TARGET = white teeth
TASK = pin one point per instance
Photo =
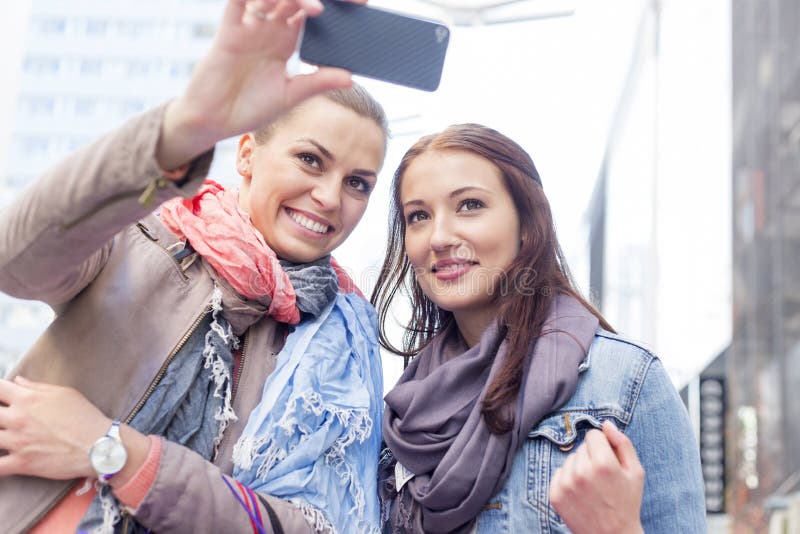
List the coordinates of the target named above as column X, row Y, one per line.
column 305, row 222
column 450, row 267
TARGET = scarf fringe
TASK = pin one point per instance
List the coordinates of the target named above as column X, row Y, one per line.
column 111, row 515
column 266, row 453
column 220, row 373
column 87, row 485
column 317, row 520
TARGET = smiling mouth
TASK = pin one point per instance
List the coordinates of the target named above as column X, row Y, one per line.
column 307, row 223
column 452, row 267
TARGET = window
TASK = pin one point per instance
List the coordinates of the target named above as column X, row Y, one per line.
column 181, row 70
column 39, row 105
column 91, row 67
column 132, row 107
column 34, row 147
column 85, row 106
column 96, row 28
column 51, row 26
column 138, row 69
column 41, row 65
column 202, row 30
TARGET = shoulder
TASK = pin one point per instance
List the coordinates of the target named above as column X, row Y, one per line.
column 615, row 358
column 613, row 375
column 618, row 348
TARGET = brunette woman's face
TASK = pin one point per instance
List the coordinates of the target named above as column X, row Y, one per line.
column 462, row 229
column 307, row 186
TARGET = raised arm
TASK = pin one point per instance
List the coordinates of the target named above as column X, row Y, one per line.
column 56, row 236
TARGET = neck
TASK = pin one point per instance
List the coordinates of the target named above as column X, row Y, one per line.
column 472, row 324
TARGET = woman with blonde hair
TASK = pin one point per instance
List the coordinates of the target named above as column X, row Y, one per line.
column 210, row 368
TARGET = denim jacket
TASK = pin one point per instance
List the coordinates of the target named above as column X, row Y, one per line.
column 627, row 384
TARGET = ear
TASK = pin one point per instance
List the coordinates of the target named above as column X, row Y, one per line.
column 244, row 156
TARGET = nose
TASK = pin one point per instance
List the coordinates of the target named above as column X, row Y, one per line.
column 327, row 192
column 443, row 234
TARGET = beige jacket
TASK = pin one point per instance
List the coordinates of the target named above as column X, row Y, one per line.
column 83, row 239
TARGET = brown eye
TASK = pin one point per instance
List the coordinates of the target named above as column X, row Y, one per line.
column 470, row 204
column 416, row 216
column 359, row 184
column 310, row 159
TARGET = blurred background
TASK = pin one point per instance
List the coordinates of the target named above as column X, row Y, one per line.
column 667, row 134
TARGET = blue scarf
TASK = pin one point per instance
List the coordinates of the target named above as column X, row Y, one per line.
column 314, row 438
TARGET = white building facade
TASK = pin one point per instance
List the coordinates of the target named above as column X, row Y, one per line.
column 86, row 66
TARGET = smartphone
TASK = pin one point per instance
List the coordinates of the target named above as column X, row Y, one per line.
column 376, row 43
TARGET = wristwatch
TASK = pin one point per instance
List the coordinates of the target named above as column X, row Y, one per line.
column 108, row 454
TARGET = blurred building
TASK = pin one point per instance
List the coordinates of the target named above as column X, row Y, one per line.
column 660, row 217
column 764, row 364
column 87, row 66
column 659, row 220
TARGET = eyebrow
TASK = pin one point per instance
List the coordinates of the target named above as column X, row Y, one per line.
column 327, row 154
column 453, row 194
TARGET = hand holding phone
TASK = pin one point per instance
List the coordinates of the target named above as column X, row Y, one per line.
column 376, row 43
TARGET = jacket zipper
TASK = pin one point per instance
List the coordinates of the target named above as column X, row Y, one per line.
column 136, row 410
column 238, row 379
column 163, row 370
column 154, row 383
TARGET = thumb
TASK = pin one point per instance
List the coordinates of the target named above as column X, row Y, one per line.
column 622, row 446
column 303, row 86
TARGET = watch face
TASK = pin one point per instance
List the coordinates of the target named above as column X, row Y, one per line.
column 108, row 456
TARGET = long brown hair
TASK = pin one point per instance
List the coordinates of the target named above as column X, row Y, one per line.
column 536, row 275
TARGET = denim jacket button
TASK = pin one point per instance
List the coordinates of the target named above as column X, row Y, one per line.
column 566, row 448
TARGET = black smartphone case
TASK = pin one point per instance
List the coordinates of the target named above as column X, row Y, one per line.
column 377, row 44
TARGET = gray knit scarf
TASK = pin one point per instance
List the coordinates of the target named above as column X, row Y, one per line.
column 433, row 424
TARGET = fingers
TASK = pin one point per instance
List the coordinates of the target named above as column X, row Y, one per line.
column 312, row 7
column 623, row 447
column 8, row 465
column 7, row 419
column 234, row 11
column 256, row 11
column 279, row 11
column 8, row 391
column 303, row 86
column 599, row 449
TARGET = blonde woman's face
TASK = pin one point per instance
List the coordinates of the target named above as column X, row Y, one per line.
column 308, row 185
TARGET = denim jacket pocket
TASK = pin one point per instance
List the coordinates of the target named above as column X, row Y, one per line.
column 547, row 448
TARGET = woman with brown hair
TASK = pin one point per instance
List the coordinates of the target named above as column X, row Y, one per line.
column 491, row 426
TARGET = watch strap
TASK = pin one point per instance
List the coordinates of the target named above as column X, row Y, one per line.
column 113, row 433
column 113, row 430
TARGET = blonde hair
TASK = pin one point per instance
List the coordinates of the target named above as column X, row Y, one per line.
column 356, row 99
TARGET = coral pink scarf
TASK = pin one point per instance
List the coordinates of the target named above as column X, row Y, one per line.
column 223, row 234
